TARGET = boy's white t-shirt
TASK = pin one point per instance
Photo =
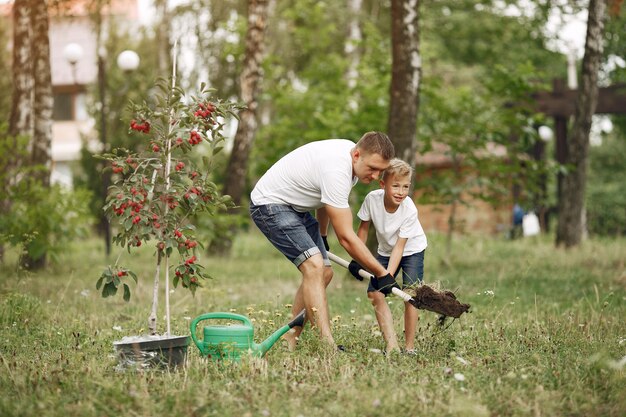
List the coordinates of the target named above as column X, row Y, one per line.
column 308, row 177
column 404, row 223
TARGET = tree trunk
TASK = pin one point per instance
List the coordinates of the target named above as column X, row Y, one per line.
column 20, row 119
column 352, row 45
column 163, row 39
column 250, row 80
column 405, row 78
column 41, row 143
column 31, row 107
column 571, row 209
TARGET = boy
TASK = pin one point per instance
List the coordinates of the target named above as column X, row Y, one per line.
column 401, row 245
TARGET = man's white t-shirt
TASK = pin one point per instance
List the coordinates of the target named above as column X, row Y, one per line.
column 308, row 177
column 404, row 223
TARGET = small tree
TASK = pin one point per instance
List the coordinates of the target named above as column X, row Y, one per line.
column 155, row 192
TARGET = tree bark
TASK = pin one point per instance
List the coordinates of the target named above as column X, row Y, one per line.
column 31, row 107
column 250, row 81
column 405, row 78
column 41, row 143
column 20, row 118
column 352, row 45
column 570, row 225
column 164, row 47
column 21, row 121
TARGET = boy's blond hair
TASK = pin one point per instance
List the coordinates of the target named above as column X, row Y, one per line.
column 397, row 168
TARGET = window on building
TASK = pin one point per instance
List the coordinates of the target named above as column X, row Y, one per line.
column 63, row 107
column 70, row 106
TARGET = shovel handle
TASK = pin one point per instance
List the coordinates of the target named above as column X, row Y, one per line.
column 342, row 262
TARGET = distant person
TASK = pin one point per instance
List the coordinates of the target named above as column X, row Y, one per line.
column 518, row 219
column 401, row 246
column 319, row 176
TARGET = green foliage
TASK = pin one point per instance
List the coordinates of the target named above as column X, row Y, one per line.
column 306, row 87
column 478, row 34
column 43, row 219
column 485, row 139
column 39, row 220
column 606, row 196
column 157, row 190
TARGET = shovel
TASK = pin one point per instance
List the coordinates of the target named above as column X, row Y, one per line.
column 363, row 273
column 426, row 298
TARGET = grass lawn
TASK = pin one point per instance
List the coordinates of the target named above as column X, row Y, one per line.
column 546, row 337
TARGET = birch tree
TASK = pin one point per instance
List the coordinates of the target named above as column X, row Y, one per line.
column 42, row 100
column 405, row 78
column 31, row 105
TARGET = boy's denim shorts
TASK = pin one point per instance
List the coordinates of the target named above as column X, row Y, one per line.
column 296, row 235
column 412, row 267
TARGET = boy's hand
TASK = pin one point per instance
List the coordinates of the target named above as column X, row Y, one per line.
column 385, row 284
column 354, row 267
column 325, row 239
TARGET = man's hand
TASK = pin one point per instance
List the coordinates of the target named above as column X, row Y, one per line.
column 385, row 284
column 324, row 238
column 354, row 269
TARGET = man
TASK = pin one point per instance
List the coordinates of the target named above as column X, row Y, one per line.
column 319, row 176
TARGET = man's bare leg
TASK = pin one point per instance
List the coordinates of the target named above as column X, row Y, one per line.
column 298, row 304
column 385, row 320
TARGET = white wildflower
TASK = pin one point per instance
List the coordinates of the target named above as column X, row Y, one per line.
column 459, row 377
column 117, row 328
column 85, row 293
column 460, row 359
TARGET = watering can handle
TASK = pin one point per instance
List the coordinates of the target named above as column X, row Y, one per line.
column 217, row 316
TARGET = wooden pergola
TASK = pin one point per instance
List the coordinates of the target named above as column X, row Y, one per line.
column 560, row 104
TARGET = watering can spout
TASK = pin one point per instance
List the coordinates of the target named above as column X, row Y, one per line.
column 264, row 346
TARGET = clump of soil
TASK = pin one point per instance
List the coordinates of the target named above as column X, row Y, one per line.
column 440, row 302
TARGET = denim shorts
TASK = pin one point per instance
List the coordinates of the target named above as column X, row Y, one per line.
column 295, row 234
column 412, row 267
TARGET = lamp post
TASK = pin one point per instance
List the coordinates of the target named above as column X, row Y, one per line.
column 72, row 53
column 127, row 61
column 545, row 134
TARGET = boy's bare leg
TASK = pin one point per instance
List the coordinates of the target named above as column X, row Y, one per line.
column 385, row 320
column 298, row 304
column 312, row 295
column 411, row 317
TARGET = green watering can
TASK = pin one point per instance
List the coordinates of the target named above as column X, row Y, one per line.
column 232, row 341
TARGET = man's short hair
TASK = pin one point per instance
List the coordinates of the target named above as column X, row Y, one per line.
column 378, row 143
column 397, row 168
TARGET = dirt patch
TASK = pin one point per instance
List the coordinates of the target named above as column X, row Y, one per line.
column 440, row 302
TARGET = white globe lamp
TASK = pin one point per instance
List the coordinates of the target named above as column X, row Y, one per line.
column 72, row 53
column 128, row 61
